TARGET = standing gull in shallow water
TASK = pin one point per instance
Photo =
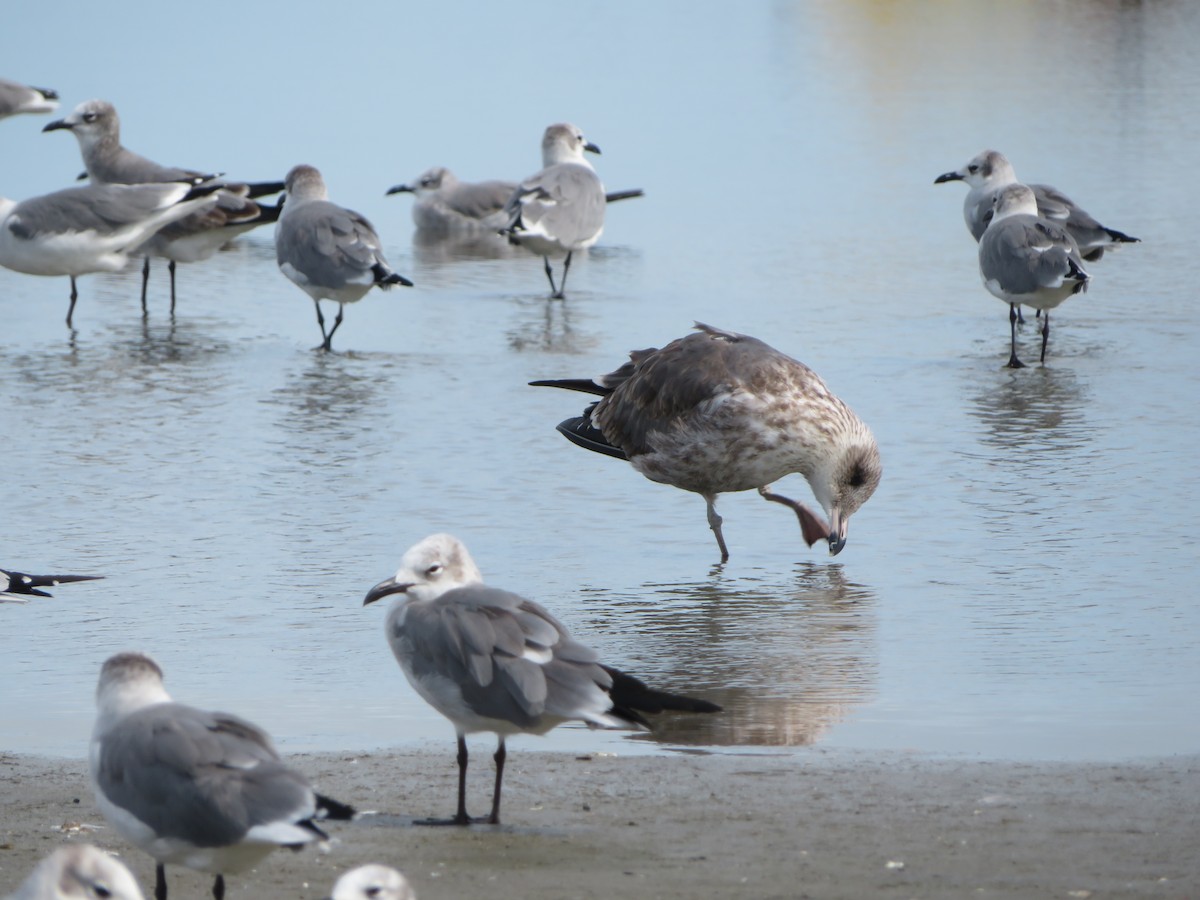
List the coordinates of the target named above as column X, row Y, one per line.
column 328, row 251
column 490, row 660
column 990, row 171
column 205, row 790
column 90, row 229
column 17, row 98
column 15, row 587
column 1026, row 259
column 718, row 411
column 97, row 127
column 561, row 208
column 79, row 872
column 373, row 882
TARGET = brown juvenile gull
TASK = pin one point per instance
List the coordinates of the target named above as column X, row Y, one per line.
column 990, row 171
column 16, row 98
column 559, row 209
column 1027, row 259
column 15, row 586
column 201, row 789
column 78, row 872
column 718, row 411
column 328, row 251
column 491, row 660
column 97, row 127
column 373, row 882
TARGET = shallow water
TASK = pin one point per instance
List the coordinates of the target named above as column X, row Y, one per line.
column 1022, row 584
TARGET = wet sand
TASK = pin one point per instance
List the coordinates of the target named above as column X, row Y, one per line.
column 802, row 824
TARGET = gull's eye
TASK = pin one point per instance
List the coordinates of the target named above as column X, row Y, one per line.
column 373, row 891
column 434, row 571
column 972, row 168
column 102, row 891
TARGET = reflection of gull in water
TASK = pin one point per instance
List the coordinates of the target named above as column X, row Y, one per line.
column 786, row 657
column 1033, row 419
column 547, row 327
column 327, row 396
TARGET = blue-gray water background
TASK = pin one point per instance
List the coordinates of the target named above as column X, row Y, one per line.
column 1024, row 582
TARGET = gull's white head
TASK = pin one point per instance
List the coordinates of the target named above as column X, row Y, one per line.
column 989, row 170
column 79, row 872
column 128, row 682
column 303, row 183
column 92, row 122
column 428, row 569
column 1014, row 200
column 847, row 476
column 564, row 143
column 373, row 882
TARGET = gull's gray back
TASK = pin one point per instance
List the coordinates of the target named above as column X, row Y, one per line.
column 330, row 245
column 101, row 208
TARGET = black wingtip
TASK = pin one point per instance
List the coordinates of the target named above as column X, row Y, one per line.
column 328, row 808
column 632, row 193
column 20, row 583
column 386, row 279
column 1121, row 237
column 632, row 696
column 580, row 431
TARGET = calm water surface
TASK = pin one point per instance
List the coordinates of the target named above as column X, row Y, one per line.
column 1022, row 585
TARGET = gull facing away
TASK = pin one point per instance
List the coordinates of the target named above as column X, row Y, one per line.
column 1027, row 259
column 17, row 98
column 373, row 882
column 447, row 206
column 79, row 872
column 205, row 790
column 491, row 660
column 561, row 208
column 97, row 127
column 990, row 171
column 17, row 587
column 328, row 251
column 718, row 411
column 90, row 229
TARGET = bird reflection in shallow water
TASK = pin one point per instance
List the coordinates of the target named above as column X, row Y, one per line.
column 1032, row 417
column 787, row 658
column 546, row 326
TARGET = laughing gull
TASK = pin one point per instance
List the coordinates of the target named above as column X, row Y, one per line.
column 90, row 229
column 206, row 790
column 990, row 171
column 718, row 411
column 97, row 127
column 17, row 98
column 561, row 208
column 328, row 251
column 490, row 660
column 1027, row 259
column 16, row 587
column 78, row 872
column 447, row 206
column 373, row 882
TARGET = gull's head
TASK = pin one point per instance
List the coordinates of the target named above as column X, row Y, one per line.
column 129, row 681
column 304, row 183
column 989, row 169
column 427, row 182
column 1014, row 200
column 565, row 143
column 437, row 564
column 847, row 479
column 80, row 872
column 373, row 882
column 91, row 122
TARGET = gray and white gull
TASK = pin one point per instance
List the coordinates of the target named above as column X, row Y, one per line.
column 88, row 229
column 328, row 251
column 1029, row 260
column 97, row 127
column 718, row 411
column 373, row 882
column 17, row 98
column 990, row 171
column 491, row 660
column 78, row 872
column 206, row 790
column 560, row 209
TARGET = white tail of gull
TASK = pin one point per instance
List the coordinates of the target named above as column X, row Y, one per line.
column 718, row 411
column 79, row 872
column 97, row 127
column 91, row 229
column 990, row 171
column 206, row 790
column 490, row 660
column 17, row 98
column 328, row 251
column 1026, row 259
column 560, row 209
column 17, row 587
column 373, row 882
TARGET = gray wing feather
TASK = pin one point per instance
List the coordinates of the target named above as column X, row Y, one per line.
column 477, row 201
column 567, row 200
column 203, row 777
column 101, row 208
column 329, row 244
column 1024, row 254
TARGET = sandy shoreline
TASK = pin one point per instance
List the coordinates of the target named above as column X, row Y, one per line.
column 772, row 826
